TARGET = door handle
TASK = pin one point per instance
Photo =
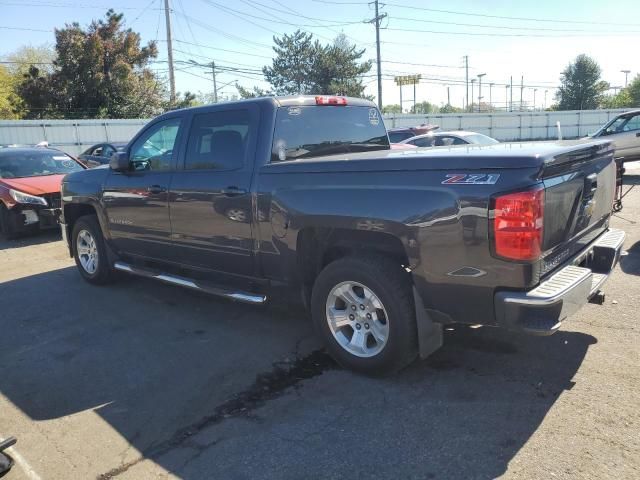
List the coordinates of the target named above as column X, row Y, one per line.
column 155, row 189
column 233, row 191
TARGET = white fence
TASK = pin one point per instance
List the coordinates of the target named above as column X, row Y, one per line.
column 74, row 136
column 514, row 126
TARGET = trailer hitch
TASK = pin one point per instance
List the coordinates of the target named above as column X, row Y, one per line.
column 6, row 462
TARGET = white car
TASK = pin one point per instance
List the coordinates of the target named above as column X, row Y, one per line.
column 624, row 131
column 446, row 139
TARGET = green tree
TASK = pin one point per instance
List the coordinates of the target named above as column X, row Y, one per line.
column 620, row 100
column 338, row 70
column 424, row 107
column 8, row 98
column 101, row 71
column 392, row 109
column 581, row 87
column 633, row 91
column 256, row 92
column 293, row 66
column 448, row 108
column 303, row 66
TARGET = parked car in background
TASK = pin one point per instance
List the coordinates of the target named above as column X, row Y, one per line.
column 447, row 139
column 398, row 134
column 624, row 131
column 100, row 154
column 402, row 146
column 30, row 188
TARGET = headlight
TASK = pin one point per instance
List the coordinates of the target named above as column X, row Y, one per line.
column 21, row 197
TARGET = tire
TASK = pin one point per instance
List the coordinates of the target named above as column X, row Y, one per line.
column 90, row 252
column 6, row 229
column 387, row 322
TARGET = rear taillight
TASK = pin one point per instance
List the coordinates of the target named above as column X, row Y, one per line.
column 517, row 225
column 322, row 100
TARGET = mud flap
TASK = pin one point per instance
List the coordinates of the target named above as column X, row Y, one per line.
column 429, row 332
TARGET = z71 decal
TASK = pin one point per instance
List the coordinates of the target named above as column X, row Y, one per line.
column 471, row 179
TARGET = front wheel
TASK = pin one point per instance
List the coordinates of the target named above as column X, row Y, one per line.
column 90, row 252
column 363, row 307
column 6, row 227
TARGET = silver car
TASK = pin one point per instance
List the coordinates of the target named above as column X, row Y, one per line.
column 446, row 139
column 624, row 131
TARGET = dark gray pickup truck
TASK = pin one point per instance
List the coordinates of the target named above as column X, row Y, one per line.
column 303, row 195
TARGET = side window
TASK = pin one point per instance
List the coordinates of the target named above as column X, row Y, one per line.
column 423, row 142
column 218, row 141
column 458, row 141
column 633, row 124
column 153, row 150
column 97, row 152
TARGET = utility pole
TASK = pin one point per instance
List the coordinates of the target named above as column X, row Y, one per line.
column 172, row 79
column 480, row 75
column 490, row 98
column 521, row 90
column 448, row 97
column 511, row 100
column 626, row 76
column 376, row 21
column 215, row 86
column 473, row 81
column 534, row 98
column 401, row 110
column 466, row 74
column 506, row 98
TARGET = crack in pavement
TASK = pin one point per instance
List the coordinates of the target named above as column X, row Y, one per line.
column 266, row 387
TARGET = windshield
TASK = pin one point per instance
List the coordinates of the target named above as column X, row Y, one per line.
column 480, row 139
column 312, row 131
column 34, row 163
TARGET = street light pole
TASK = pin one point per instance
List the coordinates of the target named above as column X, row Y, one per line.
column 534, row 99
column 626, row 74
column 490, row 99
column 545, row 99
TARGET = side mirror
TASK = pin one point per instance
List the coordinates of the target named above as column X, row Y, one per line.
column 119, row 162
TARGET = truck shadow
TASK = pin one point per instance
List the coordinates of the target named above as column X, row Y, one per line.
column 160, row 365
column 47, row 236
column 630, row 263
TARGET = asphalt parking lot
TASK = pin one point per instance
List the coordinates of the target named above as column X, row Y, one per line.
column 143, row 380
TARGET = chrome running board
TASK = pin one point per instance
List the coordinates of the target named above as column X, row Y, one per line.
column 243, row 297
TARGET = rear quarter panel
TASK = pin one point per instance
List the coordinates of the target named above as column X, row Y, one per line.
column 443, row 228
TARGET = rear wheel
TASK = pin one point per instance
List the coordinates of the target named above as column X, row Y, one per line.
column 363, row 307
column 90, row 252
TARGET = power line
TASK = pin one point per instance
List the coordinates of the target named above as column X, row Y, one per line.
column 25, row 29
column 230, row 36
column 492, row 34
column 503, row 17
column 223, row 49
column 504, row 27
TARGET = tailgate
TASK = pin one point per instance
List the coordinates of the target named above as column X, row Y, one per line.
column 579, row 191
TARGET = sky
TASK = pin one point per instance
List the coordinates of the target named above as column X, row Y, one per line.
column 502, row 39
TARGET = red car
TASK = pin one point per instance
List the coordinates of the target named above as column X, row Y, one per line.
column 30, row 188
